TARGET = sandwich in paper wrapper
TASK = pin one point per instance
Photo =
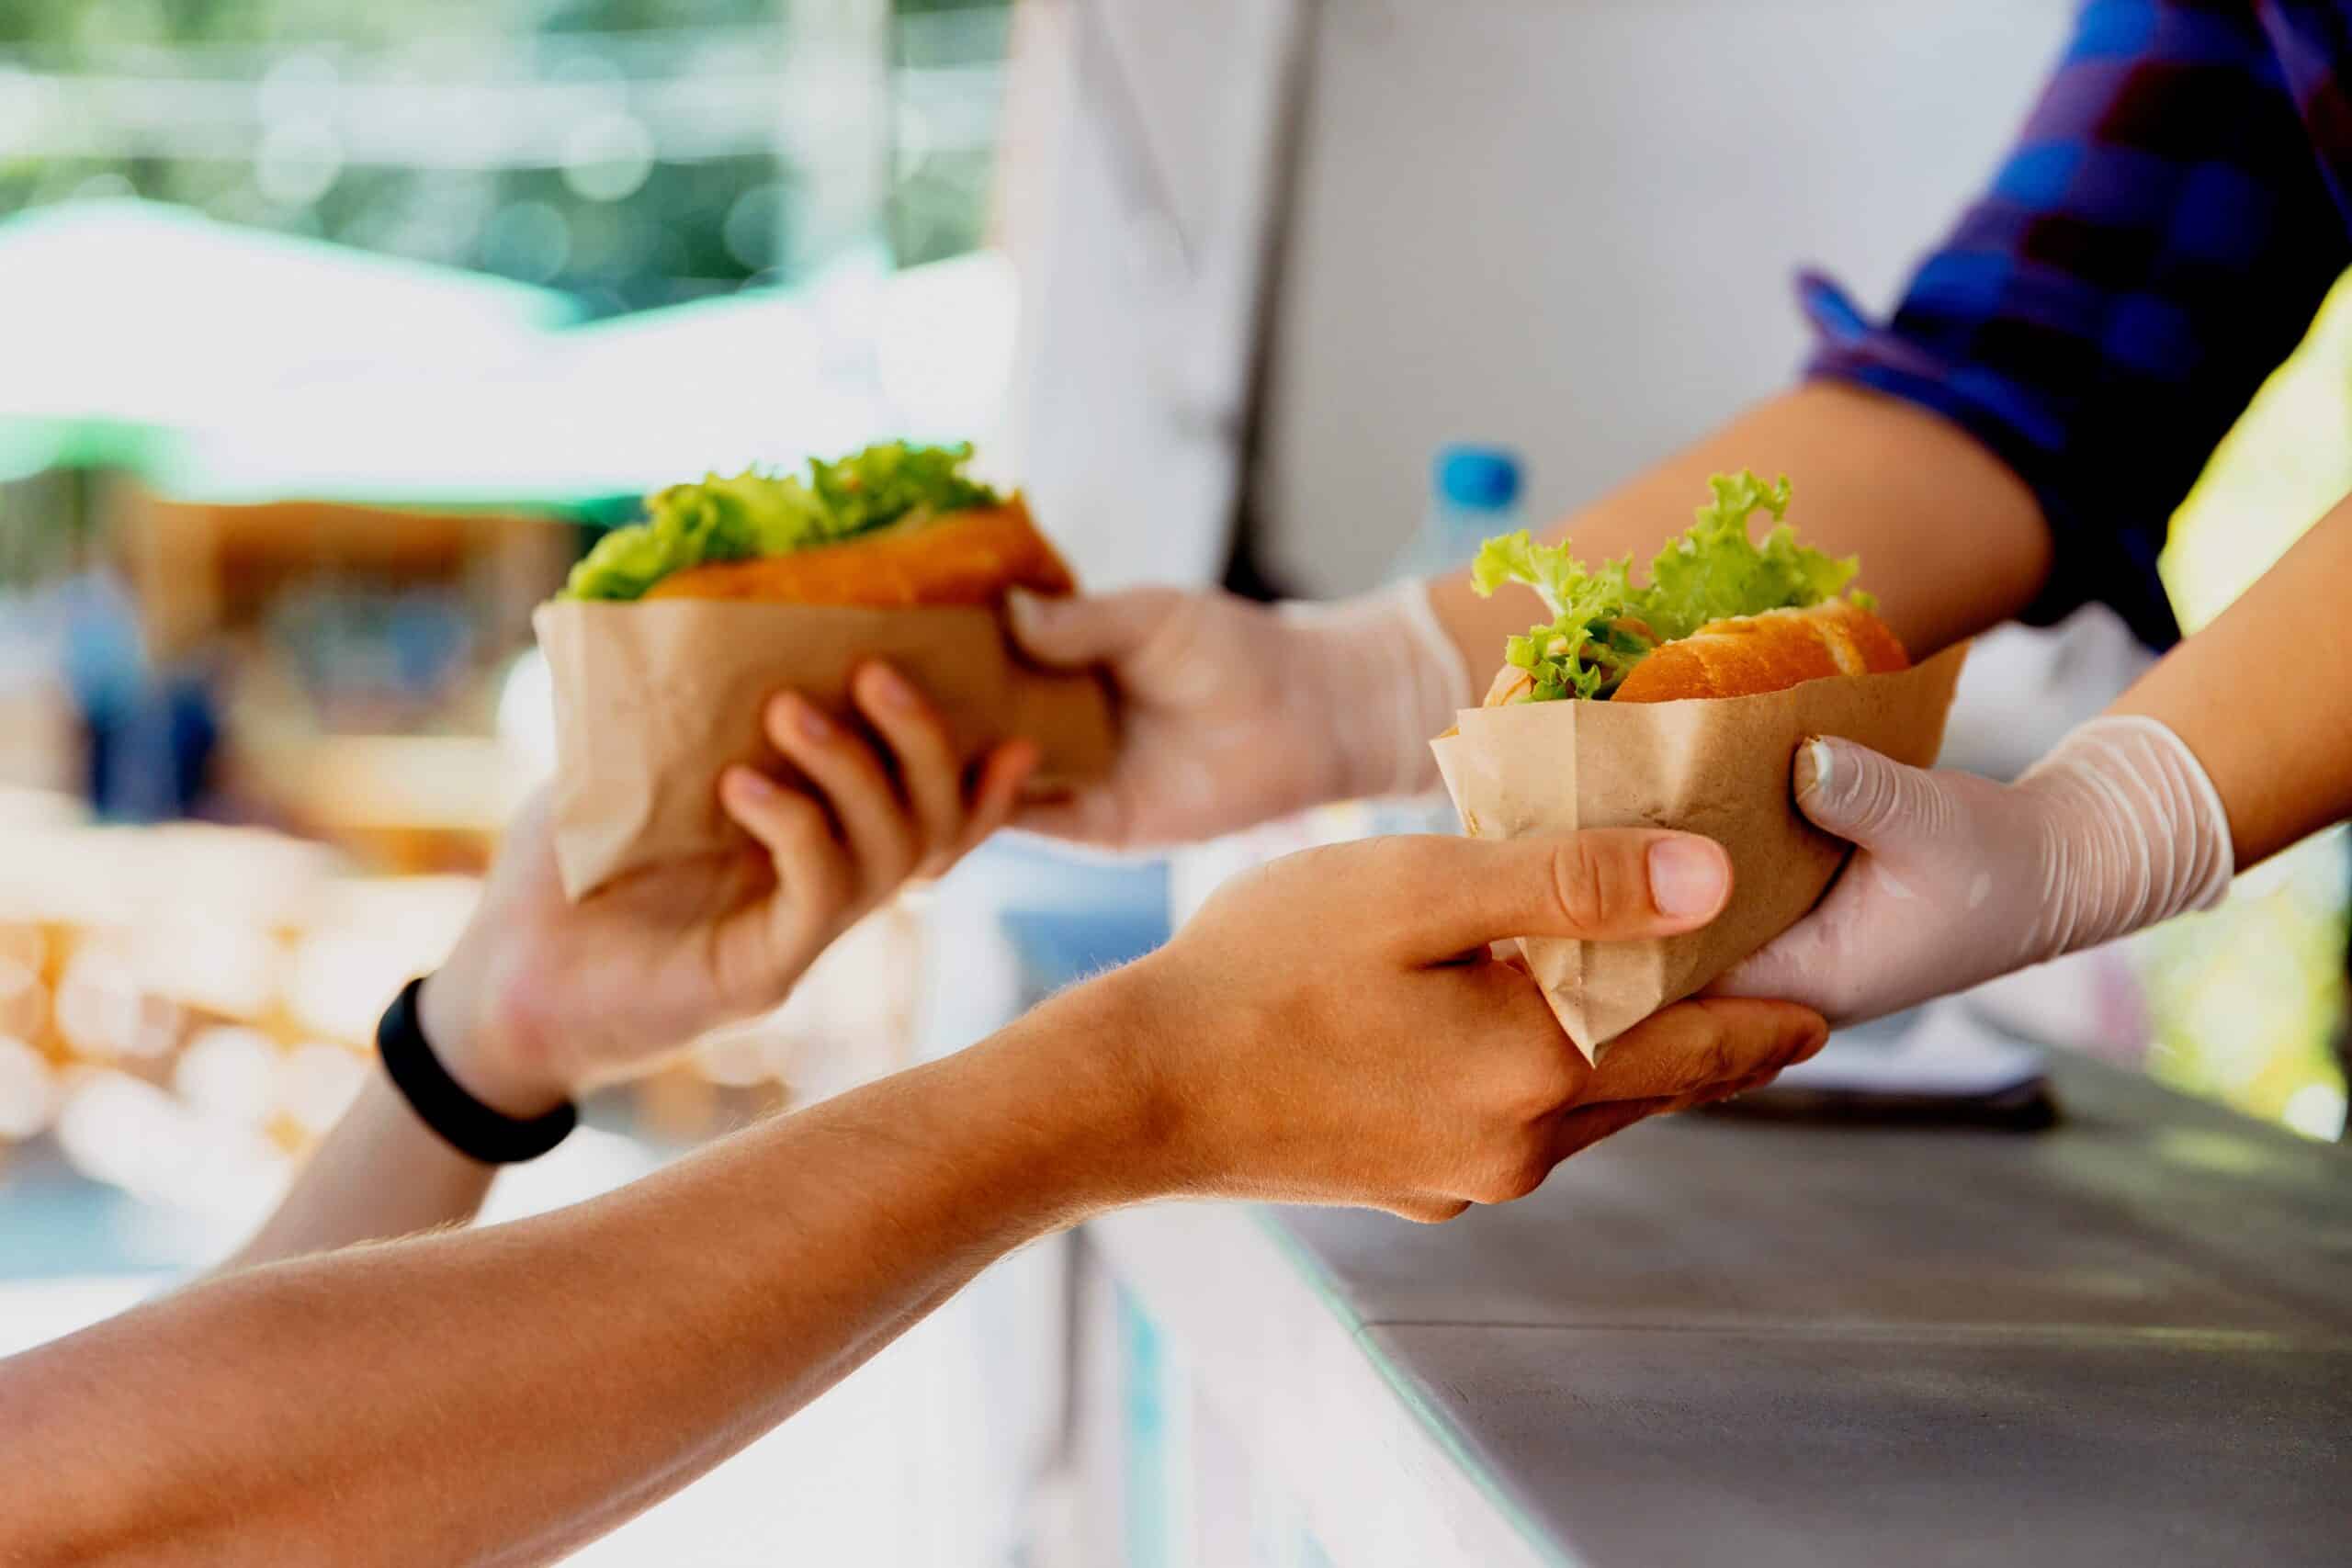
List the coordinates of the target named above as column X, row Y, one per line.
column 671, row 633
column 1680, row 704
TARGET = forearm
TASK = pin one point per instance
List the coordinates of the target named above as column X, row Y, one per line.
column 382, row 1172
column 504, row 1394
column 2263, row 696
column 1952, row 540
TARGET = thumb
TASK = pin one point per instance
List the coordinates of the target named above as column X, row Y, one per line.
column 1857, row 793
column 1073, row 631
column 1439, row 895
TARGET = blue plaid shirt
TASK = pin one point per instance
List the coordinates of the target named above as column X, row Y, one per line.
column 2155, row 243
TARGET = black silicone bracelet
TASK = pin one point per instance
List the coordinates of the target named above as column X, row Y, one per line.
column 473, row 1129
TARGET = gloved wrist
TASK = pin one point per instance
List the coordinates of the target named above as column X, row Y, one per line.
column 2133, row 832
column 1385, row 678
column 1956, row 879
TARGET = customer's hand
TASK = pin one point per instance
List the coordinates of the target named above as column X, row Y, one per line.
column 542, row 997
column 1329, row 1029
column 1959, row 879
column 1236, row 712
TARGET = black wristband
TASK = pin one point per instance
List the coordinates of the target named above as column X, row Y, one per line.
column 473, row 1129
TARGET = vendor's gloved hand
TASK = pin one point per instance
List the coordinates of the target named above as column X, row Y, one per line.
column 1958, row 879
column 1236, row 712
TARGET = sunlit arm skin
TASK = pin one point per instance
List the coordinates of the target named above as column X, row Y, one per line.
column 1328, row 1030
column 1954, row 541
column 380, row 1173
column 507, row 1395
column 1235, row 712
column 2263, row 695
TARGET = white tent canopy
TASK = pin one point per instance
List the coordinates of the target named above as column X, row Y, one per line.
column 621, row 407
column 236, row 365
column 134, row 313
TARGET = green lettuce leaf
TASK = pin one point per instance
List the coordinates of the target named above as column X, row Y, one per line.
column 1712, row 572
column 1602, row 625
column 1590, row 640
column 751, row 514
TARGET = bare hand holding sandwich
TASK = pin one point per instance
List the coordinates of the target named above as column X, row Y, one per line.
column 543, row 999
column 563, row 995
column 731, row 587
column 1329, row 1028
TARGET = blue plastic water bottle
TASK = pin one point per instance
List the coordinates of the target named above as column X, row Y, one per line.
column 1474, row 495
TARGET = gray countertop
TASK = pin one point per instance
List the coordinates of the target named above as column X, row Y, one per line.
column 2126, row 1340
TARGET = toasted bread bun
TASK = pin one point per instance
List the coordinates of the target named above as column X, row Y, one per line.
column 1741, row 658
column 967, row 558
column 1765, row 653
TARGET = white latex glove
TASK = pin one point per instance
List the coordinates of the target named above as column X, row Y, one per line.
column 1234, row 711
column 1958, row 879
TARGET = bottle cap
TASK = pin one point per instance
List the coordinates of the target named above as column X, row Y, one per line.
column 1482, row 478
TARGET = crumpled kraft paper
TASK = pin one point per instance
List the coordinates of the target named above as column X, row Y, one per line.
column 1718, row 766
column 653, row 701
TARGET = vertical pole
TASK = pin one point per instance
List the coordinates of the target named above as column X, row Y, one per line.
column 835, row 129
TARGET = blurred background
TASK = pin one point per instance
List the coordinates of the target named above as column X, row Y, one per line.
column 330, row 335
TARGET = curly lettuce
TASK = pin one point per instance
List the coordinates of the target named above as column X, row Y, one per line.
column 751, row 514
column 1596, row 634
column 1602, row 625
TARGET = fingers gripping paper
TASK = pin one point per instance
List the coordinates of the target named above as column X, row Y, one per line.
column 654, row 699
column 1716, row 766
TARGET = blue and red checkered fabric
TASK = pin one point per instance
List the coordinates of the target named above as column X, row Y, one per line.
column 2154, row 245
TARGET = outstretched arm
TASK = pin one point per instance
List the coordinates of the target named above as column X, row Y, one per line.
column 506, row 1394
column 1953, row 540
column 2016, row 435
column 501, row 1395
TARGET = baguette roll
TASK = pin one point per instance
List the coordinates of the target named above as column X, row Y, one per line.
column 1747, row 656
column 1767, row 653
column 968, row 557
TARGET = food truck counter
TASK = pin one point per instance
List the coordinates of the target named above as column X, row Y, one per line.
column 2125, row 1339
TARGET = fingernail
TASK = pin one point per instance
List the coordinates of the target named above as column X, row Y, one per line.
column 1687, row 876
column 757, row 786
column 813, row 724
column 1816, row 768
column 1023, row 755
column 1025, row 609
column 891, row 689
column 1809, row 1040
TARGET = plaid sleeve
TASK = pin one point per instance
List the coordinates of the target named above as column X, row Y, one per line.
column 2153, row 246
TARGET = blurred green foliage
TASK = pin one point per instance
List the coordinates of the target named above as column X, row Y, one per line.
column 680, row 225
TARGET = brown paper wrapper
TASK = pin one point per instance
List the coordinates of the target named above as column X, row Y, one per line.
column 654, row 699
column 1716, row 766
